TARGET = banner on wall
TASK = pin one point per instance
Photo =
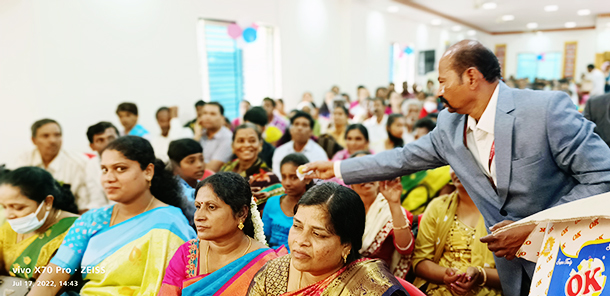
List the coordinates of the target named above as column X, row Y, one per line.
column 571, row 248
column 501, row 55
column 569, row 59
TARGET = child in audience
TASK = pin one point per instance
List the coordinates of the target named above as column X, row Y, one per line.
column 186, row 158
column 128, row 115
column 279, row 210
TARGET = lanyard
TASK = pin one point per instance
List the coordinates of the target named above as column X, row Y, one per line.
column 492, row 153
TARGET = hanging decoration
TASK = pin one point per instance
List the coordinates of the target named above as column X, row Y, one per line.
column 248, row 33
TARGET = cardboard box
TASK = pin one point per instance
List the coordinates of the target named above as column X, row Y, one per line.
column 571, row 248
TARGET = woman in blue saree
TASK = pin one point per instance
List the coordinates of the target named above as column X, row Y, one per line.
column 123, row 249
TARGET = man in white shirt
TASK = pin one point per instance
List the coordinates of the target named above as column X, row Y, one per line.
column 376, row 125
column 171, row 129
column 214, row 137
column 99, row 135
column 598, row 80
column 301, row 128
column 65, row 167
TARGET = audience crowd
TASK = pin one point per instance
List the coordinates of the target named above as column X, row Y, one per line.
column 217, row 207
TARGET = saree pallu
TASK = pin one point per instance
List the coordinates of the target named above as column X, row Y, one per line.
column 362, row 277
column 379, row 228
column 36, row 251
column 182, row 275
column 128, row 258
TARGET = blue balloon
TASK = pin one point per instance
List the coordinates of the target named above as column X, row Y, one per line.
column 408, row 50
column 249, row 34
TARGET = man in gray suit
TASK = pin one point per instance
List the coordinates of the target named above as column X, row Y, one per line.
column 517, row 152
column 597, row 110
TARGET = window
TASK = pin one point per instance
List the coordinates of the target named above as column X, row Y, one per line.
column 426, row 62
column 545, row 66
column 402, row 66
column 233, row 70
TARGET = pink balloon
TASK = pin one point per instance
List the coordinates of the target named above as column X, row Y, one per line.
column 255, row 26
column 234, row 31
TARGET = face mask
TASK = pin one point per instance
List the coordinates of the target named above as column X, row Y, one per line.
column 28, row 223
column 430, row 106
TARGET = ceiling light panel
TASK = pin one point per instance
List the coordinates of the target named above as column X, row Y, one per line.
column 550, row 8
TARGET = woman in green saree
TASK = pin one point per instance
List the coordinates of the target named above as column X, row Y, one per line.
column 39, row 213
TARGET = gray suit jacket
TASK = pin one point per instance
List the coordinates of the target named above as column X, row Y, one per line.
column 546, row 155
column 597, row 110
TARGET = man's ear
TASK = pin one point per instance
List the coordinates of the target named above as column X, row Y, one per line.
column 472, row 77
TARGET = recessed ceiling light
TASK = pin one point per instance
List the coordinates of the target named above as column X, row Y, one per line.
column 436, row 22
column 471, row 32
column 393, row 9
column 551, row 8
column 584, row 12
column 456, row 28
column 532, row 25
column 570, row 24
column 489, row 5
column 508, row 17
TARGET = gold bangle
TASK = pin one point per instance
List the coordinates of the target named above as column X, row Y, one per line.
column 406, row 226
column 482, row 270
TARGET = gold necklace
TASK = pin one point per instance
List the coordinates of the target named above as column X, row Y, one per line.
column 117, row 211
column 207, row 252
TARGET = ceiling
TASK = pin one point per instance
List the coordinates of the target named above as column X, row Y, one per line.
column 469, row 12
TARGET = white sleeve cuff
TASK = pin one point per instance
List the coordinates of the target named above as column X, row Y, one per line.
column 337, row 168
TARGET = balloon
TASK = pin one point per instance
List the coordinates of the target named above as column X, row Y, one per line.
column 255, row 26
column 408, row 50
column 272, row 134
column 249, row 34
column 234, row 31
column 540, row 57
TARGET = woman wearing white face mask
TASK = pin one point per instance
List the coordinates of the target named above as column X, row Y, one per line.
column 39, row 213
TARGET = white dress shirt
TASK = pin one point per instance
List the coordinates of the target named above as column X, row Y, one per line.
column 479, row 137
column 312, row 151
column 161, row 144
column 377, row 130
column 66, row 168
column 599, row 81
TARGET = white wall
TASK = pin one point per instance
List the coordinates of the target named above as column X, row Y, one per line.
column 75, row 60
column 543, row 42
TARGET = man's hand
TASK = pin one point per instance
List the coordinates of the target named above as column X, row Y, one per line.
column 507, row 243
column 321, row 170
column 391, row 190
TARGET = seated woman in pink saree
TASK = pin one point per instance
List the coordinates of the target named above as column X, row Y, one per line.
column 228, row 226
